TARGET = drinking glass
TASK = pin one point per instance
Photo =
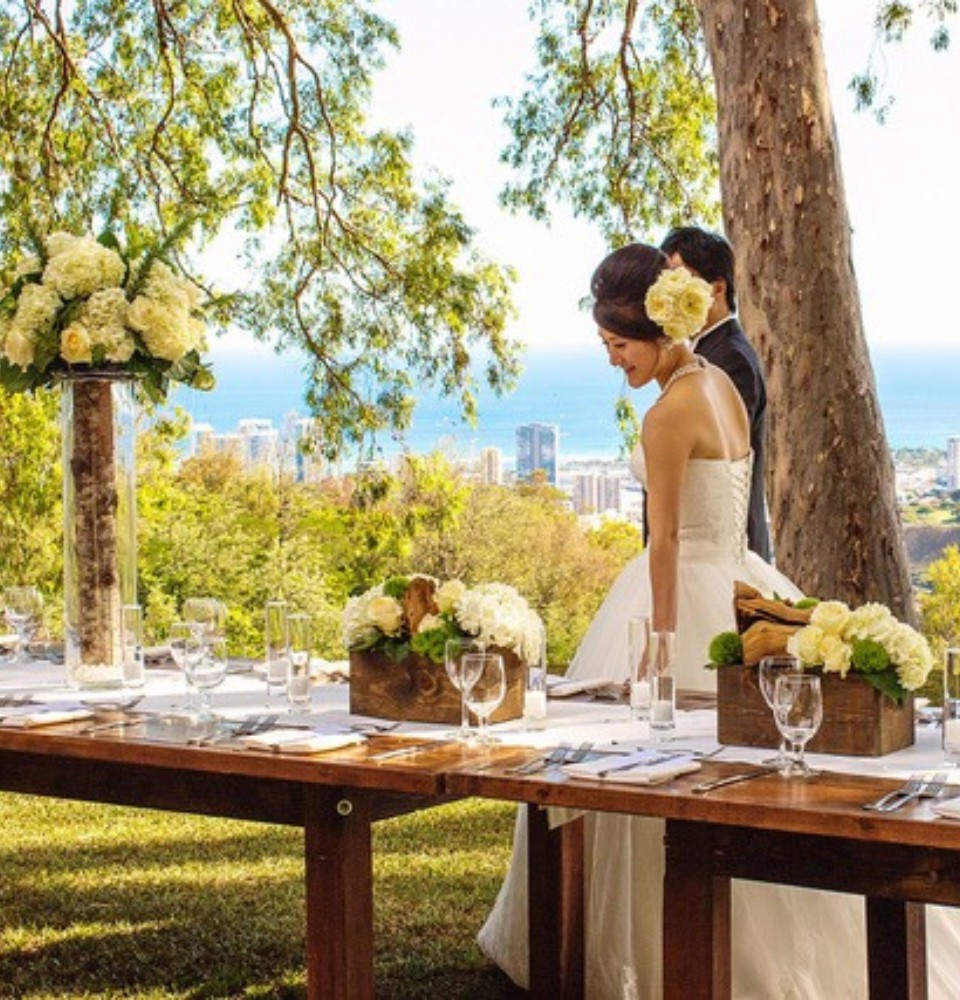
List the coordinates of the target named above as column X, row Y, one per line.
column 300, row 638
column 23, row 607
column 535, row 689
column 131, row 625
column 462, row 678
column 798, row 709
column 487, row 691
column 638, row 661
column 207, row 670
column 769, row 669
column 951, row 705
column 276, row 643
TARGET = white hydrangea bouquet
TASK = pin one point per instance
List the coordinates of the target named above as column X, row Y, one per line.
column 418, row 614
column 869, row 641
column 81, row 302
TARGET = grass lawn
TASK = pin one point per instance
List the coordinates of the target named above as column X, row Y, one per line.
column 100, row 901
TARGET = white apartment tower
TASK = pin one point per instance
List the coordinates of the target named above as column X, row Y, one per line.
column 491, row 467
column 953, row 463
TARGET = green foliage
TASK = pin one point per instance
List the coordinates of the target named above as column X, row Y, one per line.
column 940, row 606
column 617, row 118
column 250, row 120
column 726, row 649
column 869, row 657
column 806, row 602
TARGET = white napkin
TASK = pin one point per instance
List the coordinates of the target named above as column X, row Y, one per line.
column 301, row 741
column 643, row 767
column 947, row 809
column 31, row 716
column 560, row 687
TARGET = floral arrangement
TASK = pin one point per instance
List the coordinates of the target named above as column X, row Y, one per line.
column 420, row 614
column 82, row 303
column 830, row 636
column 679, row 302
column 868, row 640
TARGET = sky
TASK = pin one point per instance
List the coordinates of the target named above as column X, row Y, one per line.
column 900, row 178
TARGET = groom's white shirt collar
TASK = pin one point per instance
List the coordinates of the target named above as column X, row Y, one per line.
column 704, row 333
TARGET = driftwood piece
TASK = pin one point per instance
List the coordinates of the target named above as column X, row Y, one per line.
column 419, row 601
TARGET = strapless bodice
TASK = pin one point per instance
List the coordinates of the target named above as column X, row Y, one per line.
column 713, row 505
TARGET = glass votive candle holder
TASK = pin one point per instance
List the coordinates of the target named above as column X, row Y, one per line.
column 951, row 704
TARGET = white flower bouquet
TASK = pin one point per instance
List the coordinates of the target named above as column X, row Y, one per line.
column 82, row 303
column 679, row 302
column 419, row 614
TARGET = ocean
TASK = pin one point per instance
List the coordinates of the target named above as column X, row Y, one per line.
column 574, row 389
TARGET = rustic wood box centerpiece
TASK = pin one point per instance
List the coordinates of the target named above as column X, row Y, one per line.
column 397, row 634
column 860, row 718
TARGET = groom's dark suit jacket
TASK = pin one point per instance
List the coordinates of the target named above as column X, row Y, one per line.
column 728, row 348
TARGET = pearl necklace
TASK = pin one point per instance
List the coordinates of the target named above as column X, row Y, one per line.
column 697, row 365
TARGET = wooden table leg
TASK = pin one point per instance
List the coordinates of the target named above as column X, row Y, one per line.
column 555, row 893
column 896, row 950
column 339, row 875
column 696, row 917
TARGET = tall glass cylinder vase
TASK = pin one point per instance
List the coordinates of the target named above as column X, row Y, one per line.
column 98, row 422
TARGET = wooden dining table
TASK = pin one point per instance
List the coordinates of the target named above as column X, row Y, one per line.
column 809, row 833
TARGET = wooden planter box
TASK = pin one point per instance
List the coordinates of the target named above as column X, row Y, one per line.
column 858, row 721
column 418, row 690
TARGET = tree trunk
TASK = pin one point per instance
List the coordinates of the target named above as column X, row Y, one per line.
column 830, row 478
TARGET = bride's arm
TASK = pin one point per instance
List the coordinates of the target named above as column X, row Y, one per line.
column 667, row 445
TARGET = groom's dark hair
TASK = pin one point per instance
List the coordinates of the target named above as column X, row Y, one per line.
column 708, row 253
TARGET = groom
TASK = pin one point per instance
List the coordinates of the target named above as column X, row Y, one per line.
column 723, row 343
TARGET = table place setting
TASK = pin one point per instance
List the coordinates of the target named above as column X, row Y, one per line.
column 30, row 715
column 642, row 767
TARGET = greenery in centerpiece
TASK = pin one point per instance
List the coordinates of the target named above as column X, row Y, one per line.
column 419, row 614
column 78, row 303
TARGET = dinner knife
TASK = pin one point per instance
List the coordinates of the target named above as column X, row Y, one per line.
column 731, row 779
column 407, row 751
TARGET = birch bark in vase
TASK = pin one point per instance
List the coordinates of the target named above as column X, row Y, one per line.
column 99, row 525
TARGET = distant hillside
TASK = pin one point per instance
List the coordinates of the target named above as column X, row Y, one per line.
column 925, row 543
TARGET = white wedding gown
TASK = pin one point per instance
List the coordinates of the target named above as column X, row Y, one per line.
column 789, row 943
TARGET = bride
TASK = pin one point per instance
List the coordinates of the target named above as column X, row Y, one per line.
column 695, row 463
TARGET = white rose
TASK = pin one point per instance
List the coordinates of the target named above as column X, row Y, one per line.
column 831, row 616
column 386, row 613
column 836, row 654
column 449, row 594
column 165, row 332
column 19, row 348
column 805, row 643
column 429, row 622
column 75, row 344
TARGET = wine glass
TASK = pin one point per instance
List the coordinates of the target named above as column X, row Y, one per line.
column 300, row 638
column 487, row 691
column 462, row 678
column 769, row 669
column 206, row 616
column 23, row 607
column 185, row 647
column 798, row 709
column 207, row 670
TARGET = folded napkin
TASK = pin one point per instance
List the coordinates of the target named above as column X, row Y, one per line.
column 643, row 767
column 948, row 808
column 31, row 716
column 301, row 741
column 560, row 687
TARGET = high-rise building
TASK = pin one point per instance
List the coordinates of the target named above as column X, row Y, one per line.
column 595, row 492
column 261, row 442
column 491, row 467
column 953, row 463
column 538, row 447
column 202, row 439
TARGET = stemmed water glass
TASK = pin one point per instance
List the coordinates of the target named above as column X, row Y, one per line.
column 798, row 709
column 484, row 695
column 461, row 678
column 206, row 616
column 185, row 648
column 207, row 670
column 23, row 607
column 769, row 669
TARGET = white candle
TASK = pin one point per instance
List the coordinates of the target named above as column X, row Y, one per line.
column 535, row 705
column 640, row 694
column 662, row 711
column 951, row 735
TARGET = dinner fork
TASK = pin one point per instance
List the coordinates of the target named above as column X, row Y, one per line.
column 910, row 789
column 927, row 790
column 557, row 755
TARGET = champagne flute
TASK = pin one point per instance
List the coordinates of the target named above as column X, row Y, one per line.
column 300, row 637
column 461, row 678
column 487, row 691
column 798, row 709
column 23, row 607
column 769, row 669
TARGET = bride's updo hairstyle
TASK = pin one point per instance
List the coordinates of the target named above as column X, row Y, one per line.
column 619, row 286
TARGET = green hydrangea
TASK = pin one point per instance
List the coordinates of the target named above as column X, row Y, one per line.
column 869, row 657
column 726, row 649
column 396, row 587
